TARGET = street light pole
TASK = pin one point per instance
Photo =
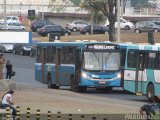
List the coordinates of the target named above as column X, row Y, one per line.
column 5, row 14
column 118, row 18
column 42, row 11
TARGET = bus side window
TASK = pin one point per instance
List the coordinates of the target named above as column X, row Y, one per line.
column 123, row 57
column 158, row 61
column 39, row 54
column 131, row 59
column 49, row 54
column 68, row 55
column 151, row 57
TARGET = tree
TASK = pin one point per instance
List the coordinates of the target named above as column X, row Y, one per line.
column 109, row 9
column 59, row 5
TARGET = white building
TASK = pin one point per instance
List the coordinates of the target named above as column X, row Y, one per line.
column 22, row 6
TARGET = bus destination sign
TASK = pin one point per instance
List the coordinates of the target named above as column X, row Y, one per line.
column 101, row 47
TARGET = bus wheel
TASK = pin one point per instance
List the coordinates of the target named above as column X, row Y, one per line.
column 72, row 84
column 54, row 86
column 150, row 90
column 49, row 84
column 49, row 81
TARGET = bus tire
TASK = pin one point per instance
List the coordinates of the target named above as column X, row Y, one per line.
column 150, row 90
column 72, row 84
column 54, row 86
column 49, row 84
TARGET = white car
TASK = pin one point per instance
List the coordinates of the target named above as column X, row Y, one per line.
column 11, row 19
column 4, row 47
column 124, row 24
column 76, row 25
column 15, row 26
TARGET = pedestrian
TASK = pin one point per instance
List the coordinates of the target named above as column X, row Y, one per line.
column 8, row 70
column 2, row 62
column 7, row 101
column 151, row 109
column 20, row 18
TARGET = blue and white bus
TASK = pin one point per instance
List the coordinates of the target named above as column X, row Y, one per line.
column 142, row 69
column 79, row 65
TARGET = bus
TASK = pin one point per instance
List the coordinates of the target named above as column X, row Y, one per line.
column 80, row 65
column 142, row 69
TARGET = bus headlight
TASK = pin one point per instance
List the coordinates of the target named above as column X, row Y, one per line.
column 84, row 75
column 118, row 75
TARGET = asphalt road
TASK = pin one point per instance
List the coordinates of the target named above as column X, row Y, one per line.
column 24, row 68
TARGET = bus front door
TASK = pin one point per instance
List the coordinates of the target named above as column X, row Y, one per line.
column 44, row 52
column 139, row 76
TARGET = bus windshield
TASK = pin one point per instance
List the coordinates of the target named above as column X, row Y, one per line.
column 99, row 61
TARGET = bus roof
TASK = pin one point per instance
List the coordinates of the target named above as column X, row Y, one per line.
column 155, row 47
column 71, row 43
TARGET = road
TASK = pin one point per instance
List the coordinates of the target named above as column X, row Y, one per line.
column 24, row 67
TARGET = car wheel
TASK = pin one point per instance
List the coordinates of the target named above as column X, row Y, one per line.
column 106, row 32
column 155, row 30
column 74, row 29
column 66, row 34
column 14, row 51
column 22, row 53
column 137, row 31
column 30, row 54
column 127, row 27
column 87, row 33
column 3, row 50
column 37, row 28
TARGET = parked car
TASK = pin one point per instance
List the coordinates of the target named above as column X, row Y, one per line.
column 35, row 25
column 146, row 26
column 15, row 26
column 97, row 29
column 11, row 19
column 124, row 24
column 53, row 29
column 156, row 21
column 4, row 47
column 76, row 25
column 1, row 26
column 22, row 49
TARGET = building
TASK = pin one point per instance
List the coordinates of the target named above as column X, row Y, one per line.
column 22, row 6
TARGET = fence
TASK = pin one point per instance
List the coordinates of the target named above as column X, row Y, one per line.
column 48, row 116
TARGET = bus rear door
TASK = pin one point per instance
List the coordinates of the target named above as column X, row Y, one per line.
column 57, row 67
column 140, row 73
column 44, row 55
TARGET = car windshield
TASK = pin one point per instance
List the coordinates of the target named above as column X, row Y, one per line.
column 98, row 61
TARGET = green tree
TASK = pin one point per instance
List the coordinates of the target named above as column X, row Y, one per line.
column 55, row 6
column 76, row 2
column 109, row 9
